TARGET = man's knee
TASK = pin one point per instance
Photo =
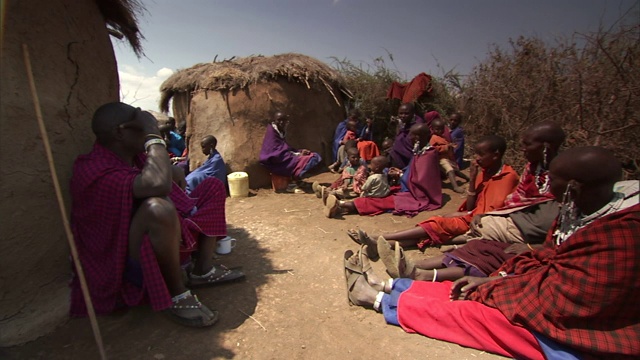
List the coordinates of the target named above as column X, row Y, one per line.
column 158, row 209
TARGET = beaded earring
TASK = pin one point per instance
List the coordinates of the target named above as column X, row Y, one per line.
column 545, row 156
column 568, row 219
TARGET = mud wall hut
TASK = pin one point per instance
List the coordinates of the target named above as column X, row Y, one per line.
column 235, row 99
column 75, row 72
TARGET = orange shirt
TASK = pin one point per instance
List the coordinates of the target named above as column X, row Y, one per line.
column 442, row 147
column 493, row 191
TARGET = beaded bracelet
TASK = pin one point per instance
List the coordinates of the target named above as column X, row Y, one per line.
column 154, row 141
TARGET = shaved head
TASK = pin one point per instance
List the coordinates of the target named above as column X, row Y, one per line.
column 109, row 116
column 590, row 165
column 547, row 132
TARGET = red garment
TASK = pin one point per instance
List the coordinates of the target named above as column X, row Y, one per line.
column 425, row 308
column 357, row 179
column 368, row 150
column 350, row 135
column 490, row 196
column 442, row 147
column 102, row 208
column 527, row 193
column 411, row 91
column 582, row 293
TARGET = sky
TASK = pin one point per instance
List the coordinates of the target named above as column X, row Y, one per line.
column 432, row 36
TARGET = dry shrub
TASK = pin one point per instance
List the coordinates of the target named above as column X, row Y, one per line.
column 369, row 84
column 590, row 84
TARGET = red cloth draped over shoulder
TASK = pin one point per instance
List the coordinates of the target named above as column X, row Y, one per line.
column 491, row 194
column 564, row 290
column 102, row 208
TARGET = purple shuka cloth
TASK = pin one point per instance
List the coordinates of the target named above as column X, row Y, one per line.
column 276, row 155
column 424, row 185
column 402, row 150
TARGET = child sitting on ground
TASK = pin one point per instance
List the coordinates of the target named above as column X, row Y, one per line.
column 351, row 135
column 445, row 148
column 350, row 182
column 376, row 185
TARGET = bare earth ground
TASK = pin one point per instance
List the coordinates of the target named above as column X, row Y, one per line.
column 293, row 304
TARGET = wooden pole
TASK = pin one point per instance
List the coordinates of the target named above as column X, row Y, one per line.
column 63, row 212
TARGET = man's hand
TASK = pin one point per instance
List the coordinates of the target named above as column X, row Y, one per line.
column 473, row 170
column 464, row 286
column 517, row 249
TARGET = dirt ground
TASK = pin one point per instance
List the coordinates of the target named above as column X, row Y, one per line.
column 293, row 304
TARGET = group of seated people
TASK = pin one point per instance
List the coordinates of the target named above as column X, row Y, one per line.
column 537, row 266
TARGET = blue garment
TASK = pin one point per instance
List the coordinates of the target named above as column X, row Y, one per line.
column 457, row 137
column 389, row 303
column 176, row 143
column 406, row 176
column 341, row 131
column 554, row 351
column 214, row 166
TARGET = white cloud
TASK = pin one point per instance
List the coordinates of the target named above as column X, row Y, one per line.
column 139, row 89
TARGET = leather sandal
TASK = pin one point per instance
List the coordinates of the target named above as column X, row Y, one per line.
column 195, row 315
column 218, row 275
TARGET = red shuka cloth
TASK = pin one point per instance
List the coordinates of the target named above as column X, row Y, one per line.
column 411, row 91
column 582, row 293
column 102, row 208
column 491, row 194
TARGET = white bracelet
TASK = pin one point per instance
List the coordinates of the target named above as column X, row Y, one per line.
column 503, row 273
column 154, row 141
column 435, row 275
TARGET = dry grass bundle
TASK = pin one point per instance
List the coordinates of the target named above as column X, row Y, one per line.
column 122, row 16
column 590, row 85
column 238, row 73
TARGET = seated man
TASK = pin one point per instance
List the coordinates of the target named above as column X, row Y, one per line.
column 133, row 225
column 402, row 151
column 282, row 159
column 213, row 167
column 574, row 297
column 421, row 188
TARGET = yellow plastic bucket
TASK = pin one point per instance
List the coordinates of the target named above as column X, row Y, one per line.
column 238, row 184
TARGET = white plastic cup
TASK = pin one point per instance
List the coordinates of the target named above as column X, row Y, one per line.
column 225, row 245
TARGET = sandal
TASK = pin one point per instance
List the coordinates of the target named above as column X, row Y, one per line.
column 196, row 315
column 372, row 248
column 353, row 234
column 352, row 273
column 388, row 257
column 403, row 266
column 331, row 207
column 217, row 275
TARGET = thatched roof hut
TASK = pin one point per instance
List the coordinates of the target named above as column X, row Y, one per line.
column 75, row 72
column 233, row 100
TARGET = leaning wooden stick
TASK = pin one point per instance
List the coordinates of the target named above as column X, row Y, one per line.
column 65, row 221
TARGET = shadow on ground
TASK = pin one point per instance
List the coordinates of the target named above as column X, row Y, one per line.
column 154, row 335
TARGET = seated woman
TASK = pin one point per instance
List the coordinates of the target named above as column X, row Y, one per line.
column 421, row 186
column 543, row 304
column 282, row 159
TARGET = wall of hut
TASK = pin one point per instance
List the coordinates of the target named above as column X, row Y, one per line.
column 75, row 72
column 238, row 120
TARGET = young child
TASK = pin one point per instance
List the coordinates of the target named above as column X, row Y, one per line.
column 376, row 185
column 448, row 164
column 350, row 182
column 457, row 137
column 351, row 135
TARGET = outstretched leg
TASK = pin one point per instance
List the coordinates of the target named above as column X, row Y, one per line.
column 406, row 238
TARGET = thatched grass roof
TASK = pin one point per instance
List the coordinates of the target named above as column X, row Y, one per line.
column 122, row 16
column 241, row 72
